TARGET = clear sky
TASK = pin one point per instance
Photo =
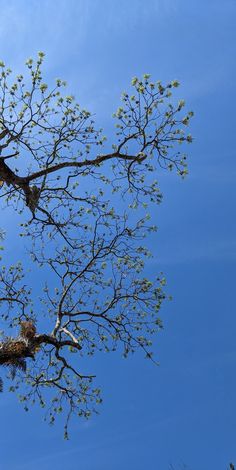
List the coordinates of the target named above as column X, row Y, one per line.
column 185, row 410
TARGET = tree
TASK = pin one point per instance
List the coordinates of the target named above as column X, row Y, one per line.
column 84, row 207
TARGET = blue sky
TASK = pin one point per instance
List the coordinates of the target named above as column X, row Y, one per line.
column 184, row 410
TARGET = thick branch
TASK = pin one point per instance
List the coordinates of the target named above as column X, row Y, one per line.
column 21, row 348
column 48, row 339
column 10, row 178
column 100, row 159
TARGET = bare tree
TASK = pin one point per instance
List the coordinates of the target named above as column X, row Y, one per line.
column 78, row 197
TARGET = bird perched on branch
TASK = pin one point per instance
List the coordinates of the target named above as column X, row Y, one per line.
column 27, row 330
column 32, row 198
